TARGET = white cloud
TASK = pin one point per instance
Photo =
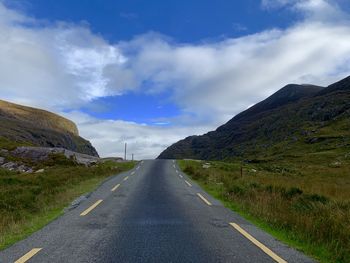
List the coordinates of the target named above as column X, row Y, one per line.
column 65, row 63
column 321, row 10
column 65, row 66
column 144, row 141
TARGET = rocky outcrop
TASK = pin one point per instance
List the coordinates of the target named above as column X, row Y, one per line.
column 25, row 159
column 18, row 167
column 38, row 154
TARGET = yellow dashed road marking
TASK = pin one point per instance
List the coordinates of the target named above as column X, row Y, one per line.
column 132, row 173
column 258, row 244
column 126, row 178
column 204, row 199
column 28, row 256
column 115, row 187
column 91, row 208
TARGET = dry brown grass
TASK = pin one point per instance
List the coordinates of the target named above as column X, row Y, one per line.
column 308, row 201
column 39, row 118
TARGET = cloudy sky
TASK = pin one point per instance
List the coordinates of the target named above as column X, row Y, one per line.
column 152, row 72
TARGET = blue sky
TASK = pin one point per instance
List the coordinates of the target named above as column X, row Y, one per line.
column 183, row 21
column 153, row 72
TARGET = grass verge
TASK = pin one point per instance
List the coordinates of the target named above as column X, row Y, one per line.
column 30, row 201
column 305, row 219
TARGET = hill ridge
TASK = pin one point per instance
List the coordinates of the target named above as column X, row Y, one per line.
column 39, row 127
column 280, row 121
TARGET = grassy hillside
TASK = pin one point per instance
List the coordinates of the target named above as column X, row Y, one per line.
column 27, row 125
column 37, row 117
column 30, row 201
column 304, row 124
column 303, row 201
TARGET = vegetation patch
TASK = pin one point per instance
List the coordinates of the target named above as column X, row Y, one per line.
column 302, row 202
column 30, row 201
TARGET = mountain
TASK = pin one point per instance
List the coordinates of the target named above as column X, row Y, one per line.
column 41, row 128
column 296, row 119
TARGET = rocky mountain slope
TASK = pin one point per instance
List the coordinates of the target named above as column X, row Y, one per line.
column 40, row 128
column 297, row 119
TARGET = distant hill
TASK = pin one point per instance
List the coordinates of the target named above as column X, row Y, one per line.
column 296, row 119
column 41, row 128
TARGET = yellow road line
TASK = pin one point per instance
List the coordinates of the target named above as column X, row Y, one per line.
column 132, row 173
column 29, row 255
column 180, row 176
column 126, row 178
column 204, row 199
column 115, row 187
column 188, row 183
column 91, row 208
column 258, row 244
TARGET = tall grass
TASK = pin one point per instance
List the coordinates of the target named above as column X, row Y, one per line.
column 310, row 208
column 29, row 201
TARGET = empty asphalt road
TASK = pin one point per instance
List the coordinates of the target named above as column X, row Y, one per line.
column 153, row 213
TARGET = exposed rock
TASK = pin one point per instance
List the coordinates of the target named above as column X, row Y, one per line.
column 2, row 160
column 114, row 159
column 335, row 164
column 38, row 154
column 206, row 165
column 10, row 166
column 40, row 171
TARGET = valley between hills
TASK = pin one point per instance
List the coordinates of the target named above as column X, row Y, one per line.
column 283, row 164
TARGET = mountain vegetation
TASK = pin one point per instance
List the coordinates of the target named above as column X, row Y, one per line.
column 30, row 126
column 298, row 118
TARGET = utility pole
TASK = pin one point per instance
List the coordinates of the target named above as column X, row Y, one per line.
column 132, row 157
column 125, row 152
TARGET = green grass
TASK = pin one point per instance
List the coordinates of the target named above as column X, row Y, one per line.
column 30, row 201
column 11, row 145
column 302, row 201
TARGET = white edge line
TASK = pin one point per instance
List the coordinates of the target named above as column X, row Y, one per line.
column 203, row 199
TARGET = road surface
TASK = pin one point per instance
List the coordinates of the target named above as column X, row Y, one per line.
column 153, row 213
